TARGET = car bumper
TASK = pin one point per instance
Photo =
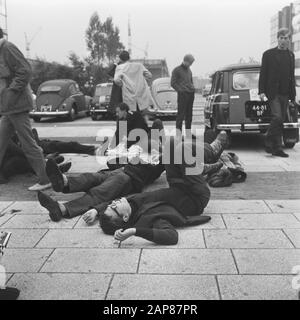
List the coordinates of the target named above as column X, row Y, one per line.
column 164, row 113
column 48, row 114
column 98, row 111
column 255, row 126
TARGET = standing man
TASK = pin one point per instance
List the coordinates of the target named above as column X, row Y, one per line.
column 182, row 82
column 131, row 77
column 277, row 84
column 15, row 104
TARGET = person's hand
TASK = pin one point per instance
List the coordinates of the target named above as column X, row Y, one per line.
column 122, row 235
column 90, row 216
column 263, row 97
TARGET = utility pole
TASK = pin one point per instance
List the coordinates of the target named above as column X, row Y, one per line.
column 3, row 17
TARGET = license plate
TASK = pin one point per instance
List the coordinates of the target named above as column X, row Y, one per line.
column 255, row 110
column 46, row 108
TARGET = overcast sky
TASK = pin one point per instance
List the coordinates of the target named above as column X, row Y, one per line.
column 216, row 32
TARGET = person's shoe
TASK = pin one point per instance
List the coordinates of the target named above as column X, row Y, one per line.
column 212, row 168
column 3, row 180
column 56, row 157
column 9, row 293
column 51, row 205
column 55, row 176
column 65, row 167
column 280, row 153
column 40, row 187
column 36, row 136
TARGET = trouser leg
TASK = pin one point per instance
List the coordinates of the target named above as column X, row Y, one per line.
column 53, row 146
column 33, row 152
column 274, row 134
column 84, row 182
column 189, row 110
column 6, row 132
column 113, row 187
column 181, row 105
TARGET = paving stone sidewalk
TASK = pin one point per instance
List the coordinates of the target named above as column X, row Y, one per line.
column 247, row 251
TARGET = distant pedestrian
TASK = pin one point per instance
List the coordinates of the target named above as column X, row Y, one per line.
column 15, row 103
column 182, row 82
column 277, row 84
column 132, row 76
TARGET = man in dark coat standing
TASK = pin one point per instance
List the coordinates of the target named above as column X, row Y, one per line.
column 182, row 82
column 277, row 84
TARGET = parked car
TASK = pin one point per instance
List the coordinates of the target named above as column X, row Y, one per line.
column 234, row 104
column 101, row 101
column 60, row 98
column 164, row 98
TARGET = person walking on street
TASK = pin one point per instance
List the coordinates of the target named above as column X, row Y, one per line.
column 15, row 103
column 277, row 84
column 182, row 82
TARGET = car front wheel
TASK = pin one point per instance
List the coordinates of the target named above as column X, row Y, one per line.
column 289, row 145
column 37, row 119
column 72, row 114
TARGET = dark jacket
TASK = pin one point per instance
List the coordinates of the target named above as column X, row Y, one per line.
column 15, row 74
column 156, row 221
column 182, row 79
column 116, row 92
column 269, row 75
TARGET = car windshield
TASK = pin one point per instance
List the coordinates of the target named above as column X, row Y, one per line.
column 245, row 80
column 103, row 91
column 50, row 89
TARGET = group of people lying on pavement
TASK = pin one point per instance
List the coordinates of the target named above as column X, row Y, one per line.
column 115, row 196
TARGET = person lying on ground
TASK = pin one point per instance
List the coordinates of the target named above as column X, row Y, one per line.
column 98, row 187
column 189, row 194
column 15, row 162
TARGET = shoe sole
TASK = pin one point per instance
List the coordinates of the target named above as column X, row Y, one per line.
column 55, row 176
column 52, row 206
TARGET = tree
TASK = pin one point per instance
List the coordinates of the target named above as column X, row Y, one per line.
column 103, row 40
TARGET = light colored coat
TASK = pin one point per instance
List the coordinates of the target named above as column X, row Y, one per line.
column 135, row 90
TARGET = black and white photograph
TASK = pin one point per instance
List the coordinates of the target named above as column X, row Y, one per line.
column 149, row 153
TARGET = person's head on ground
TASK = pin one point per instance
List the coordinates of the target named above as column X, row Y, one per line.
column 115, row 215
column 122, row 111
column 284, row 37
column 124, row 56
column 188, row 60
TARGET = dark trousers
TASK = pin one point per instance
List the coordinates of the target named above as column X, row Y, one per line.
column 20, row 123
column 274, row 134
column 185, row 101
column 53, row 146
column 98, row 187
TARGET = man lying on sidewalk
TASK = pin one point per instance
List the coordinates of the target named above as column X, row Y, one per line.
column 155, row 215
column 102, row 187
column 98, row 187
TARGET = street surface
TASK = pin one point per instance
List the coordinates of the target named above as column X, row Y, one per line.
column 247, row 250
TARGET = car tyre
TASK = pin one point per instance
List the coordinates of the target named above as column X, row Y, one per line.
column 72, row 114
column 289, row 145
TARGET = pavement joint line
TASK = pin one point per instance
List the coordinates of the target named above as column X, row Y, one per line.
column 218, row 287
column 204, row 239
column 224, row 222
column 235, row 262
column 270, row 208
column 12, row 202
column 139, row 262
column 2, row 224
column 42, row 237
column 45, row 261
column 296, row 216
column 288, row 238
column 109, row 286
